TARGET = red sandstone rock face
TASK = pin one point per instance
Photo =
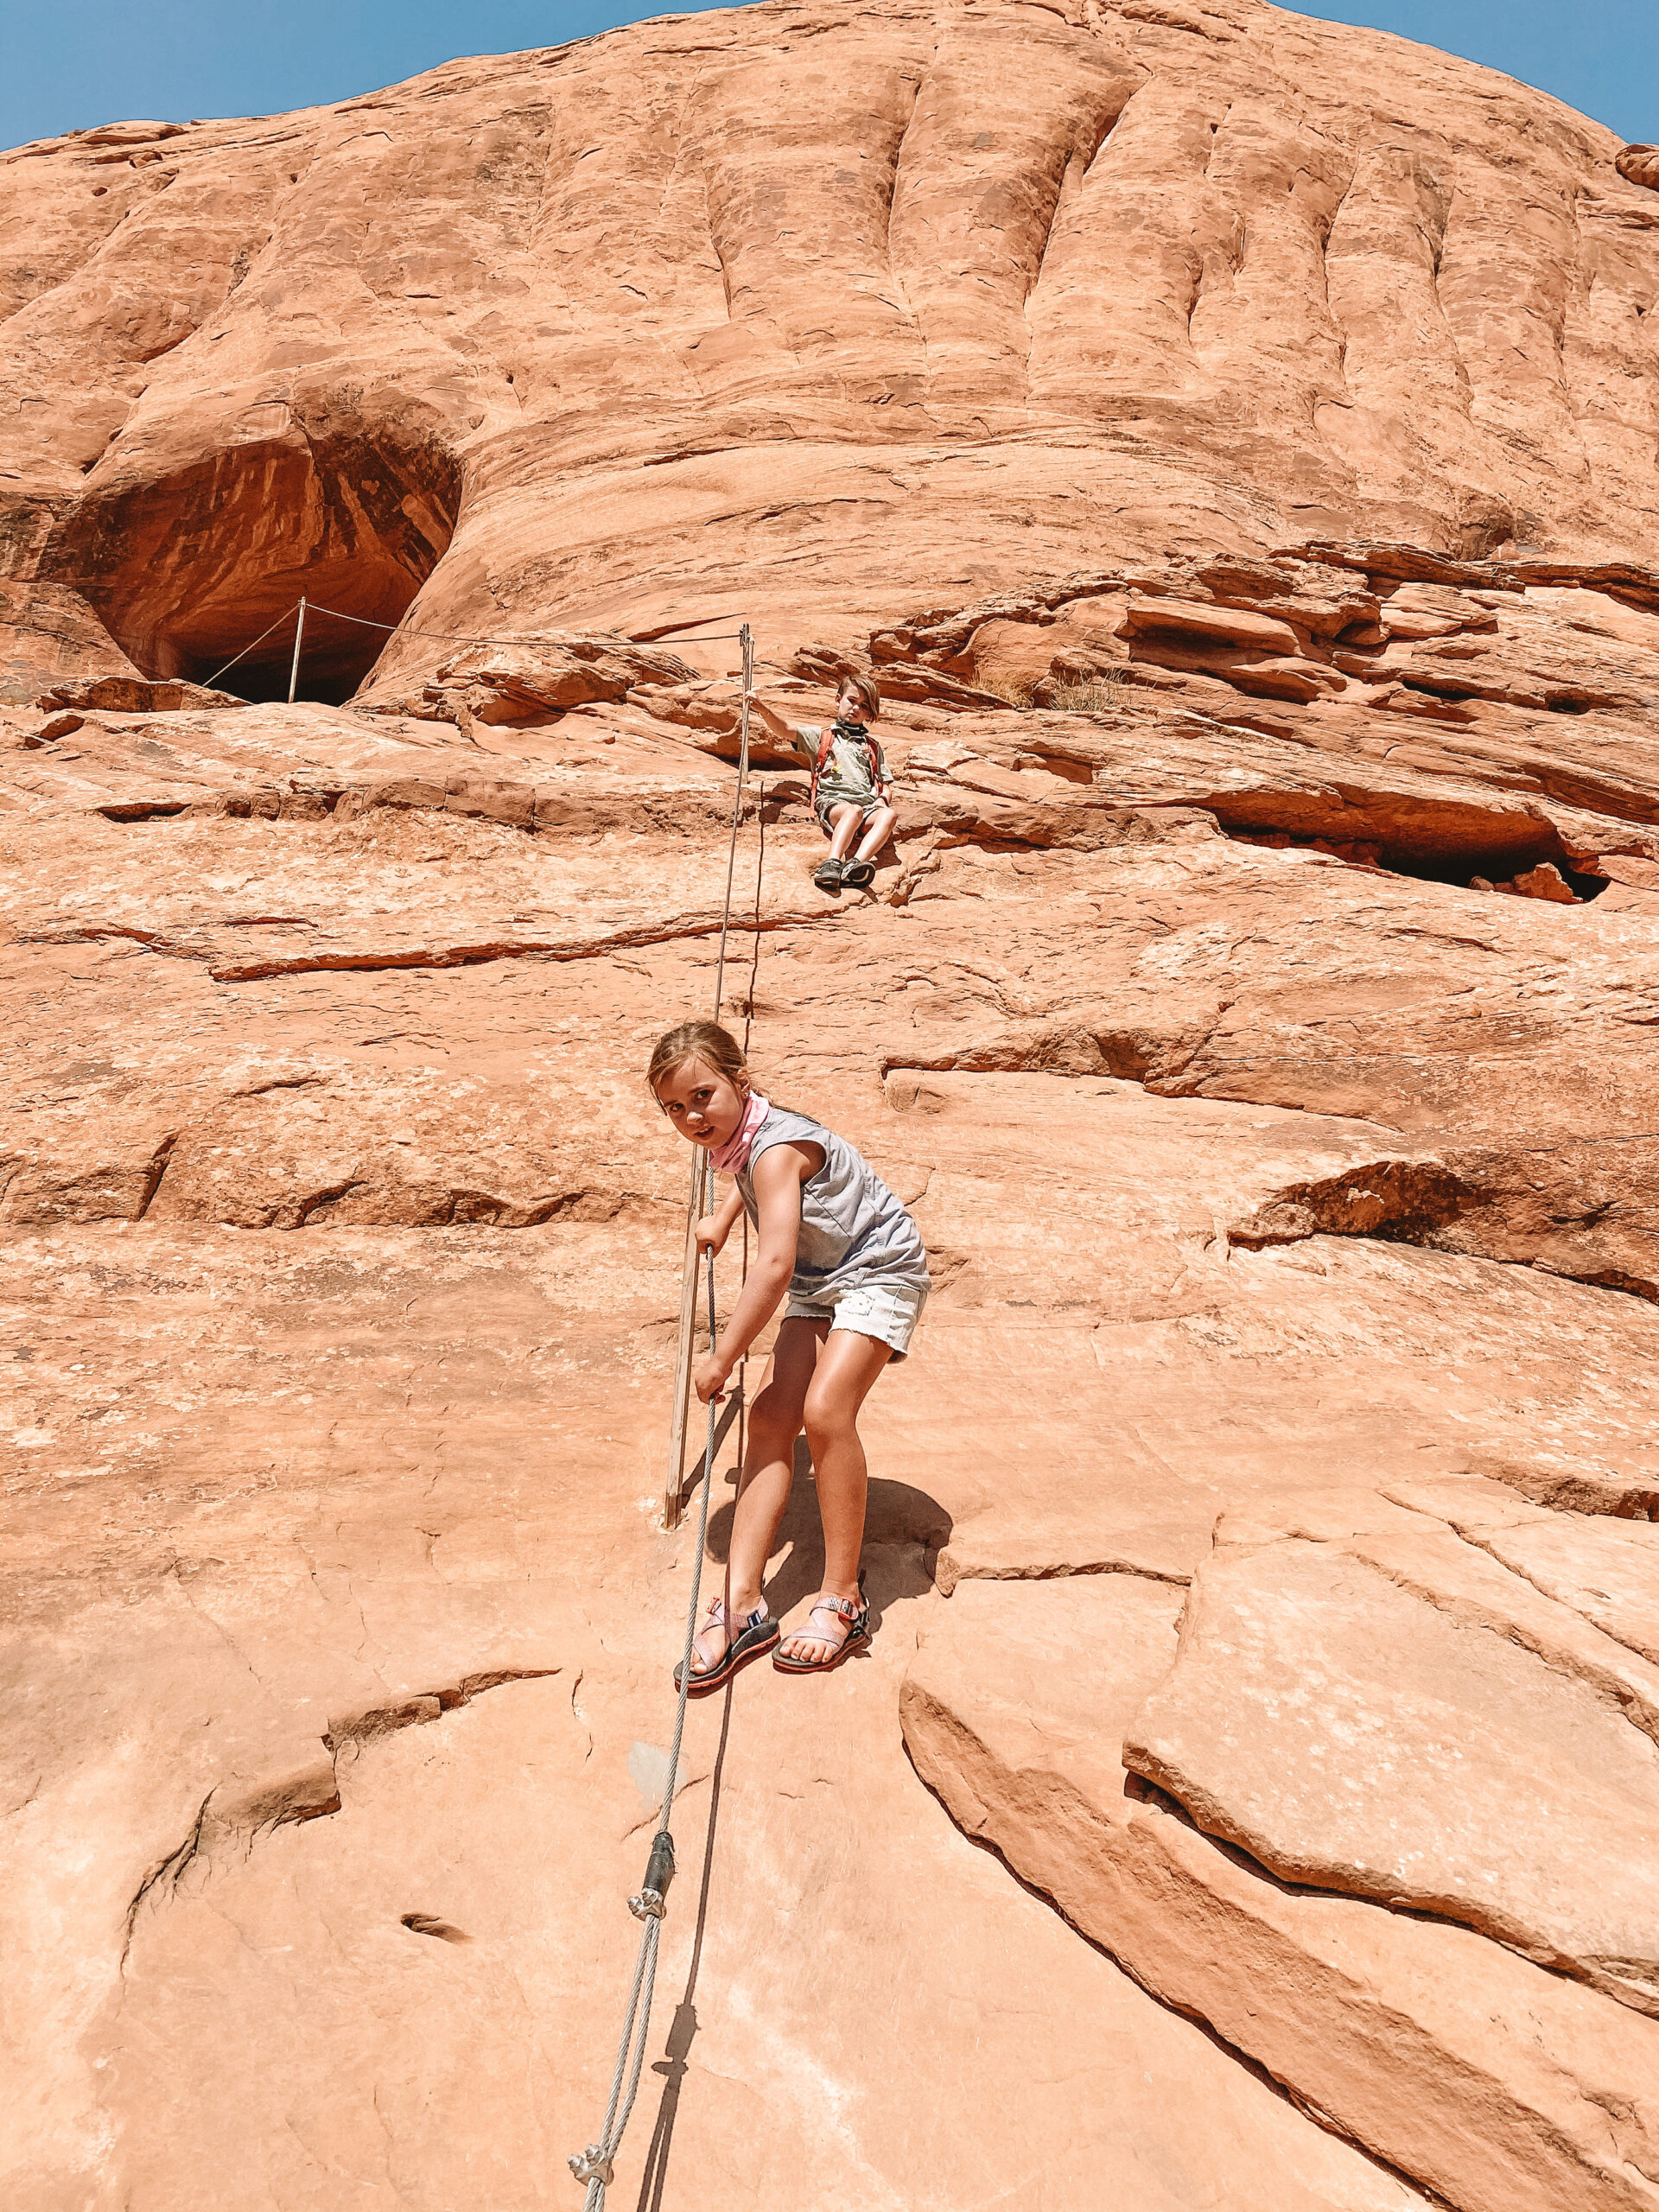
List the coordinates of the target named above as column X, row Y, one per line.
column 1229, row 440
column 803, row 313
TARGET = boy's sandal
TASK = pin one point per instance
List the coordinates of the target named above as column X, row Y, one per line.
column 828, row 875
column 847, row 1616
column 752, row 1641
column 854, row 875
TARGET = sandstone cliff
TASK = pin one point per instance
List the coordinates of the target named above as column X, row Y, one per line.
column 1230, row 440
column 788, row 309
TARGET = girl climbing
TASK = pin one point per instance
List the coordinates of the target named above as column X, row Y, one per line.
column 835, row 1237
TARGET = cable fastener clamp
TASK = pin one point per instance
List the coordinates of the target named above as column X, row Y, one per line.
column 592, row 2165
column 651, row 1903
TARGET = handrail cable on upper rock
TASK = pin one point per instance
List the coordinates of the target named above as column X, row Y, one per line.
column 455, row 637
column 440, row 637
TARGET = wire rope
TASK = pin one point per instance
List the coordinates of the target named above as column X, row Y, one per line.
column 594, row 2166
column 246, row 649
column 460, row 637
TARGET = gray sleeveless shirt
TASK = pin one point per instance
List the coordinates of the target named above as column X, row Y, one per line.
column 853, row 1230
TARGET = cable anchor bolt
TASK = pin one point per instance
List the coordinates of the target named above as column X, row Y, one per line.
column 651, row 1903
column 592, row 2165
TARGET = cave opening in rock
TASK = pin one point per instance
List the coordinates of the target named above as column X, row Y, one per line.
column 186, row 569
column 1461, row 861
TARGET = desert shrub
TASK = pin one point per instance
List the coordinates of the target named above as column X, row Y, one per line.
column 1085, row 695
column 1013, row 691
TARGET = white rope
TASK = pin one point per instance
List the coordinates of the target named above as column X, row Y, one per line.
column 596, row 2164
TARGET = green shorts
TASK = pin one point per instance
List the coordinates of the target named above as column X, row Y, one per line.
column 828, row 801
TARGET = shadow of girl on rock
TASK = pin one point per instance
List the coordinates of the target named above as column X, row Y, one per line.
column 905, row 1530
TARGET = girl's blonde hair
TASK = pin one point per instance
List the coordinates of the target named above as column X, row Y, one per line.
column 697, row 1040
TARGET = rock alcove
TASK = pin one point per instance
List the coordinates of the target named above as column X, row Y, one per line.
column 187, row 568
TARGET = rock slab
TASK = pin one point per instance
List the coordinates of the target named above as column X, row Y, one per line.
column 1490, row 2083
column 1353, row 1731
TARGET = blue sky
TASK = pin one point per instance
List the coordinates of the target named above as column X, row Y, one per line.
column 84, row 61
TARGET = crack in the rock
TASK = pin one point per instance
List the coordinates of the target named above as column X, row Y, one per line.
column 427, row 957
column 1156, row 1801
column 1634, row 1702
column 1523, row 1574
column 580, row 1717
column 280, row 1082
column 316, row 1200
column 467, row 956
column 22, row 1803
column 94, row 933
column 167, row 1869
column 157, row 1168
column 313, row 1793
column 1062, row 1574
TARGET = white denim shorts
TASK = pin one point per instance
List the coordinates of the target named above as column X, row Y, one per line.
column 888, row 1312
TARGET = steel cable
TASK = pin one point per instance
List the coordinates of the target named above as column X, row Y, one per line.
column 246, row 649
column 456, row 638
column 595, row 2164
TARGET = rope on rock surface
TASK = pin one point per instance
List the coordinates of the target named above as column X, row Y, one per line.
column 737, row 811
column 672, row 1488
column 594, row 2166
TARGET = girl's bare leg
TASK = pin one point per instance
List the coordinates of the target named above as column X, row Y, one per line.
column 775, row 1421
column 848, row 1366
column 876, row 835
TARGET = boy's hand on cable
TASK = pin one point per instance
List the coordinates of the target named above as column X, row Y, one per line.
column 711, row 1236
column 708, row 1378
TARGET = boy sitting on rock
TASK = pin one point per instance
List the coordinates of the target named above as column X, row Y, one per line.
column 851, row 788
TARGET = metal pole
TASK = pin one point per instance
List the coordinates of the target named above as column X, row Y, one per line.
column 673, row 1508
column 299, row 639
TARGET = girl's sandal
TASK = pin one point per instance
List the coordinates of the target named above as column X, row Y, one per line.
column 752, row 1641
column 849, row 1616
column 856, row 874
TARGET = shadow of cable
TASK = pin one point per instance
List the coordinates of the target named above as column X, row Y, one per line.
column 909, row 1527
column 683, row 2027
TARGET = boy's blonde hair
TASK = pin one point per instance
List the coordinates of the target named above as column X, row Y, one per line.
column 697, row 1040
column 868, row 698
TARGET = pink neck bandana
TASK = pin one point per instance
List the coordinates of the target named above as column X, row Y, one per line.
column 732, row 1157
